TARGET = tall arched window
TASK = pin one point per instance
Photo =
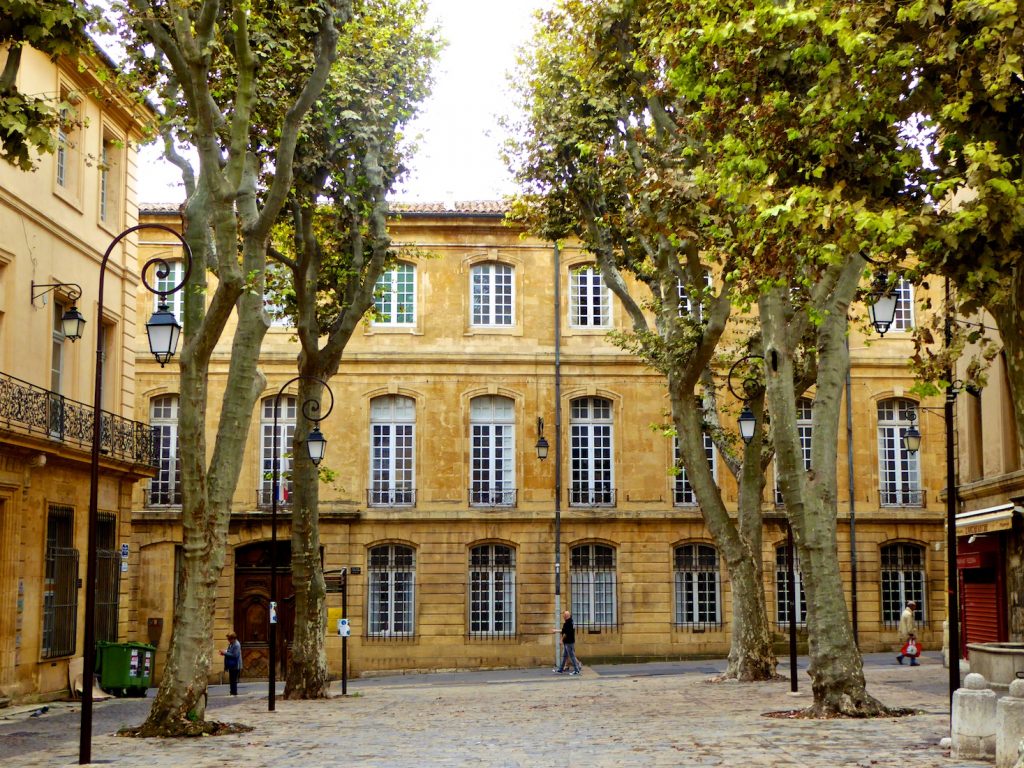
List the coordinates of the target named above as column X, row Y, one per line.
column 391, row 603
column 592, row 483
column 899, row 469
column 902, row 580
column 165, row 487
column 492, row 438
column 392, row 446
column 285, row 433
column 782, row 588
column 592, row 585
column 492, row 286
column 492, row 590
column 698, row 586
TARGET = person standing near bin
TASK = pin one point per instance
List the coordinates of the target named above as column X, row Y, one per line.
column 233, row 661
column 568, row 645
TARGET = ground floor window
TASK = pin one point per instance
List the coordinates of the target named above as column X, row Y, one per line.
column 492, row 590
column 392, row 591
column 698, row 587
column 60, row 590
column 592, row 586
column 782, row 588
column 902, row 580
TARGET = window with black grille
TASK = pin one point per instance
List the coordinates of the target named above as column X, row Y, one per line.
column 60, row 588
column 902, row 580
column 392, row 590
column 782, row 589
column 698, row 599
column 492, row 591
column 592, row 585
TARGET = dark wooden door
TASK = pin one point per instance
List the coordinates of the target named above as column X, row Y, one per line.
column 252, row 606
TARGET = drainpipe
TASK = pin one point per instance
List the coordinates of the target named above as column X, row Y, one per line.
column 558, row 448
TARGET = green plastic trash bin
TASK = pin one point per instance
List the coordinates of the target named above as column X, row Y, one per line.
column 124, row 669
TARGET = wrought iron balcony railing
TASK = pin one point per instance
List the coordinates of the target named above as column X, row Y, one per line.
column 601, row 495
column 33, row 410
column 892, row 496
column 265, row 495
column 483, row 496
column 391, row 496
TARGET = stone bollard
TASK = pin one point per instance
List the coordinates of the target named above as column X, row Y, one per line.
column 1010, row 725
column 974, row 719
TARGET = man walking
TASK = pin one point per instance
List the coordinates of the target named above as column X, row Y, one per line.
column 908, row 626
column 568, row 645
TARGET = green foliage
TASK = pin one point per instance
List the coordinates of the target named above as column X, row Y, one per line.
column 28, row 122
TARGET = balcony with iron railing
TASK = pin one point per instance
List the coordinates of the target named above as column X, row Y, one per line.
column 599, row 495
column 391, row 496
column 492, row 496
column 31, row 410
column 896, row 496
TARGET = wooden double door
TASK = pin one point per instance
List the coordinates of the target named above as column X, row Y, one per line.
column 252, row 607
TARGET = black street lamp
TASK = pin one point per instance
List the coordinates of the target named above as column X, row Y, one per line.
column 316, row 443
column 912, row 438
column 882, row 303
column 163, row 345
column 749, row 370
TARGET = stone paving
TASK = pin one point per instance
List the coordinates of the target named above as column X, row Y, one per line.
column 669, row 715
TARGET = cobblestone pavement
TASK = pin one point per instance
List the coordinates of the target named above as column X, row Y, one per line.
column 640, row 715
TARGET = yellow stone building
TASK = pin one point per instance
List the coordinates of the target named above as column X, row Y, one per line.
column 56, row 223
column 444, row 515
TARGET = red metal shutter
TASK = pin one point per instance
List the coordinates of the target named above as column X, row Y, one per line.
column 981, row 609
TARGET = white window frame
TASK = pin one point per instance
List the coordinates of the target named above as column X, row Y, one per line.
column 165, row 488
column 492, row 295
column 682, row 490
column 685, row 307
column 698, row 585
column 395, row 297
column 593, row 585
column 903, row 578
column 590, row 300
column 492, row 590
column 391, row 603
column 592, row 447
column 899, row 470
column 287, row 410
column 903, row 319
column 492, row 468
column 392, row 451
column 175, row 301
column 805, row 431
column 782, row 588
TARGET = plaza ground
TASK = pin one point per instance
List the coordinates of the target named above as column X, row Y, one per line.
column 658, row 714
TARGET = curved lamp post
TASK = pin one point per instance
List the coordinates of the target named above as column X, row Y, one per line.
column 163, row 331
column 751, row 385
column 316, row 443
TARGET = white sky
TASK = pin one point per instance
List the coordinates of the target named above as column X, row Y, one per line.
column 460, row 141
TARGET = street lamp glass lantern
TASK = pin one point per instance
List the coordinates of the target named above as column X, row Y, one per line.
column 316, row 444
column 163, row 331
column 912, row 439
column 747, row 422
column 72, row 324
column 542, row 448
column 882, row 308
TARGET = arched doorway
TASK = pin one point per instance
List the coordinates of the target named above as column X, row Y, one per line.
column 252, row 603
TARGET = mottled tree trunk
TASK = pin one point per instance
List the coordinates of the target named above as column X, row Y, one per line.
column 836, row 667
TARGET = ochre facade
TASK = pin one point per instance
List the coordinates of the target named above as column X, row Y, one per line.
column 56, row 223
column 441, row 362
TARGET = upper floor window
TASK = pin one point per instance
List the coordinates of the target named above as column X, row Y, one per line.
column 899, row 469
column 392, row 591
column 165, row 487
column 392, row 445
column 682, row 492
column 782, row 588
column 903, row 320
column 69, row 154
column 590, row 304
column 175, row 301
column 492, row 590
column 686, row 303
column 282, row 458
column 592, row 482
column 698, row 586
column 804, row 422
column 492, row 294
column 902, row 580
column 395, row 296
column 111, row 184
column 592, row 584
column 492, row 470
